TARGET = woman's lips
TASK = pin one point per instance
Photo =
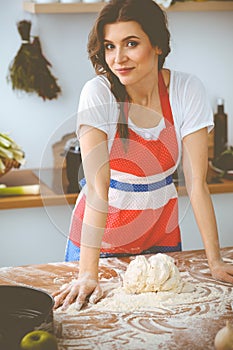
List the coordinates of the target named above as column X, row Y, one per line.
column 124, row 70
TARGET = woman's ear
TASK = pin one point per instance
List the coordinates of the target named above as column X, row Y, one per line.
column 158, row 51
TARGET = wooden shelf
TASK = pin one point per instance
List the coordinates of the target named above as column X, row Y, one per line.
column 189, row 6
column 63, row 7
column 54, row 190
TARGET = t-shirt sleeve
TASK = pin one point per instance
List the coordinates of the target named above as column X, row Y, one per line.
column 95, row 105
column 197, row 111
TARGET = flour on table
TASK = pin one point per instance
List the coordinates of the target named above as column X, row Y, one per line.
column 191, row 294
column 147, row 284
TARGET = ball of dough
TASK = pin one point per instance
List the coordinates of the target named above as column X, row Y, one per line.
column 158, row 273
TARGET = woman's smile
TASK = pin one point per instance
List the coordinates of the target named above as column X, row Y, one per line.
column 124, row 70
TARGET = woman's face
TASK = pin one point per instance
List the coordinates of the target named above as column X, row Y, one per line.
column 129, row 53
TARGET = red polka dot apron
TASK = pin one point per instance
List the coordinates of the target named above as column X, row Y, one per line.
column 143, row 204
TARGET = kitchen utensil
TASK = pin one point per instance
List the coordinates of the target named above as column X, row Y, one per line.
column 22, row 310
column 74, row 169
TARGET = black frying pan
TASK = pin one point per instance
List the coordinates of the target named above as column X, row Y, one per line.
column 23, row 309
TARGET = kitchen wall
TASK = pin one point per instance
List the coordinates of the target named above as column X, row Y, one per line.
column 201, row 44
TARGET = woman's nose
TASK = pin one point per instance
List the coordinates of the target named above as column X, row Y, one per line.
column 120, row 55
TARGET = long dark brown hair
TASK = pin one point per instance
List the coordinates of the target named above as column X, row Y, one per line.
column 153, row 22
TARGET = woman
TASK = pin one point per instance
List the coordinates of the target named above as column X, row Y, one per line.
column 135, row 120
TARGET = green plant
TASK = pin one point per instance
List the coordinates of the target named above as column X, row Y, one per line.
column 30, row 70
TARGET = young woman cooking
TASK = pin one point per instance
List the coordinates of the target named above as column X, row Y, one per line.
column 135, row 120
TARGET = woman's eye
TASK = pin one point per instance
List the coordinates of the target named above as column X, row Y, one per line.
column 108, row 46
column 132, row 43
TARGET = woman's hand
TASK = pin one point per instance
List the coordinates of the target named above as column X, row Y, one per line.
column 77, row 291
column 222, row 271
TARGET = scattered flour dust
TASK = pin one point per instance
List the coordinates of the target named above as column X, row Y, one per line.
column 155, row 284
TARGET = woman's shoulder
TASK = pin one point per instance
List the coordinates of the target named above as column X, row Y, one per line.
column 96, row 91
column 182, row 80
column 99, row 83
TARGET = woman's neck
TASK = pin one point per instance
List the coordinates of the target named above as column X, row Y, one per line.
column 146, row 93
column 145, row 109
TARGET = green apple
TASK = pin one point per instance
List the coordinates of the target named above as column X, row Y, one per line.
column 39, row 340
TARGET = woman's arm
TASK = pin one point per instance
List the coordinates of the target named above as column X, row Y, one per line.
column 95, row 156
column 95, row 159
column 195, row 166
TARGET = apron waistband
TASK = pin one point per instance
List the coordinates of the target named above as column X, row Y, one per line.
column 127, row 187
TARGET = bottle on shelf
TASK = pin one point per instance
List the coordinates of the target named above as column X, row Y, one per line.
column 220, row 129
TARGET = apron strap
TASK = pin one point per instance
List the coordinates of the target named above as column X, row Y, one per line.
column 164, row 100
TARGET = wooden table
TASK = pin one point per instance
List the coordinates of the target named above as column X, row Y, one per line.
column 187, row 326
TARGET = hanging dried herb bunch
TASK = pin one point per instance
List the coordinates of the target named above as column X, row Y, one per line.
column 30, row 70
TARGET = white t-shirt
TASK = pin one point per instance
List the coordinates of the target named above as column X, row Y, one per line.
column 188, row 99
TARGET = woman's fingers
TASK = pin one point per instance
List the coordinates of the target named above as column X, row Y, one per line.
column 223, row 276
column 223, row 272
column 86, row 289
column 78, row 290
column 59, row 300
column 61, row 295
column 96, row 295
column 80, row 301
column 70, row 298
column 64, row 287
